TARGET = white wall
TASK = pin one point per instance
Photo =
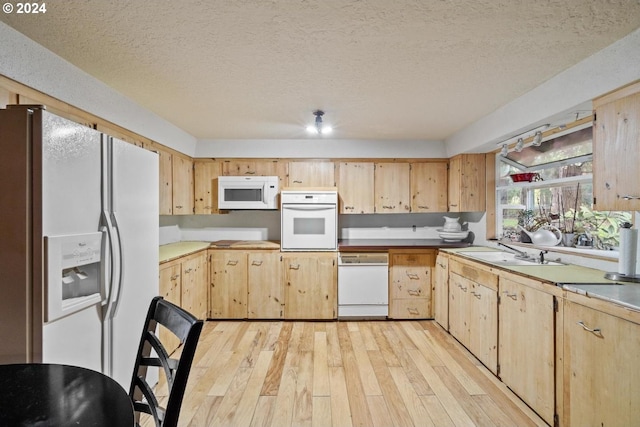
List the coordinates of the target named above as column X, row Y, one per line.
column 607, row 70
column 320, row 148
column 29, row 63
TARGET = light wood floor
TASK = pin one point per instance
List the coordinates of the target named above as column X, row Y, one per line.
column 364, row 373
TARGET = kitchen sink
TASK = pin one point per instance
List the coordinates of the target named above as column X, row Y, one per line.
column 506, row 258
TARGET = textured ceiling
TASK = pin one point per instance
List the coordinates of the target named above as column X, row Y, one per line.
column 381, row 69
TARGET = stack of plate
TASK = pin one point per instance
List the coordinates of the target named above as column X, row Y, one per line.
column 452, row 236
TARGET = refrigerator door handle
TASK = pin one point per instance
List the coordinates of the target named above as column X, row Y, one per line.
column 115, row 257
column 114, row 297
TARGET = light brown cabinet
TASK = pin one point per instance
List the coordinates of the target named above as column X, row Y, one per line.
column 391, row 183
column 410, row 293
column 527, row 343
column 429, row 187
column 355, row 187
column 182, row 169
column 166, row 182
column 194, row 284
column 170, row 286
column 441, row 291
column 255, row 167
column 601, row 379
column 311, row 174
column 228, row 290
column 310, row 283
column 265, row 285
column 473, row 309
column 467, row 181
column 206, row 173
column 616, row 150
column 246, row 284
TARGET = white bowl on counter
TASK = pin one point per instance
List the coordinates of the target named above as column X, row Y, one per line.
column 453, row 236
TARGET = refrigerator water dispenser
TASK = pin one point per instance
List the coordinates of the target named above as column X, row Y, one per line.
column 73, row 266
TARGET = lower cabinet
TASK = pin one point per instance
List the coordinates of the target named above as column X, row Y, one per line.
column 473, row 310
column 228, row 284
column 310, row 285
column 601, row 379
column 527, row 342
column 183, row 282
column 265, row 286
column 410, row 293
column 441, row 291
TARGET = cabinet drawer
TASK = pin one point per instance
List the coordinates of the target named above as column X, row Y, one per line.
column 410, row 282
column 409, row 308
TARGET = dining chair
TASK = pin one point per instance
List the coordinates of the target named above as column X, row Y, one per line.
column 187, row 328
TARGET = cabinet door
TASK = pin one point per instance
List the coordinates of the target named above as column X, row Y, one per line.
column 310, row 286
column 467, row 182
column 182, row 186
column 171, row 290
column 601, row 380
column 392, row 188
column 616, row 153
column 265, row 287
column 228, row 289
column 441, row 291
column 459, row 316
column 527, row 337
column 194, row 285
column 205, row 186
column 355, row 187
column 410, row 285
column 311, row 174
column 483, row 325
column 429, row 187
column 166, row 182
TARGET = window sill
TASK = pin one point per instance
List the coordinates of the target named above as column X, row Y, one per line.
column 586, row 253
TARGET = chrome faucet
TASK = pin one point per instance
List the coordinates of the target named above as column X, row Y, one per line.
column 541, row 257
column 520, row 254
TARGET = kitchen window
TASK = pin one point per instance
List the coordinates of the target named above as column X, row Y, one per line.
column 551, row 184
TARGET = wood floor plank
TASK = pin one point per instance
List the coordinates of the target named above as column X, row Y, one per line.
column 412, row 401
column 397, row 409
column 367, row 377
column 463, row 398
column 247, row 405
column 260, row 331
column 306, row 340
column 435, row 409
column 321, row 411
column 419, row 339
column 227, row 410
column 205, row 412
column 224, row 379
column 492, row 410
column 274, row 374
column 418, row 381
column 302, row 405
column 379, row 412
column 340, row 411
column 370, row 343
column 360, row 415
column 333, row 345
column 283, row 410
column 321, row 385
column 273, row 335
column 452, row 406
column 263, row 413
column 378, row 331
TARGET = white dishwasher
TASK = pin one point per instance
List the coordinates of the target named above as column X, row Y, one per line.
column 363, row 284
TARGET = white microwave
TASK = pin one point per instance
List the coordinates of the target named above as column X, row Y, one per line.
column 247, row 192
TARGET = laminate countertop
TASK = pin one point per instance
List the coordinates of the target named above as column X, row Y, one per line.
column 172, row 251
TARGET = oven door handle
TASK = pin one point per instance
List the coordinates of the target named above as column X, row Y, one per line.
column 309, row 208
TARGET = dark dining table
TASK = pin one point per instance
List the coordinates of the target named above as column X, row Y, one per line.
column 48, row 395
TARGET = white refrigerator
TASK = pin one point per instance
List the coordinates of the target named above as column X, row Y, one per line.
column 79, row 246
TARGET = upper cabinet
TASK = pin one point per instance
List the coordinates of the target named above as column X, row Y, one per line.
column 429, row 187
column 182, row 168
column 311, row 174
column 355, row 185
column 206, row 173
column 166, row 182
column 392, row 194
column 616, row 150
column 467, row 182
column 255, row 167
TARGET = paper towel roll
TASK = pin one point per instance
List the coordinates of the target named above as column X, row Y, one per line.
column 628, row 250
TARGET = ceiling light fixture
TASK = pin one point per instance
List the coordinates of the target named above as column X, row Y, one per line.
column 504, row 150
column 537, row 139
column 519, row 145
column 318, row 128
